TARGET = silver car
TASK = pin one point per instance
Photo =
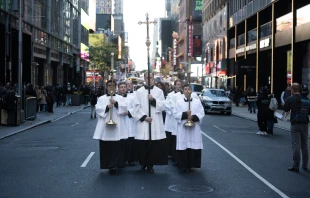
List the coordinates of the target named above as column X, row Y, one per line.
column 215, row 100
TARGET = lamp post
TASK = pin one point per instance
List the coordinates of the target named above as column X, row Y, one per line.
column 148, row 43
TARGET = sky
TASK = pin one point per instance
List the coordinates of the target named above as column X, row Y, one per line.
column 134, row 11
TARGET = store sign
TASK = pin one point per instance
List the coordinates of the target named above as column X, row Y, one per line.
column 264, row 43
column 251, row 47
column 240, row 50
column 248, row 48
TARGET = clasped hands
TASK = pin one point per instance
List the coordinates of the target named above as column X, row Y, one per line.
column 189, row 114
column 112, row 102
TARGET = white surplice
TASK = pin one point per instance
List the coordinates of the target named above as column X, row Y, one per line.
column 188, row 137
column 110, row 132
column 130, row 123
column 141, row 106
column 172, row 98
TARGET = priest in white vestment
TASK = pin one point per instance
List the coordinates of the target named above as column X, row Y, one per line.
column 189, row 138
column 111, row 137
column 154, row 151
column 130, row 125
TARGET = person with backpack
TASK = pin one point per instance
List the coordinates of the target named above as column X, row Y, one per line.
column 299, row 106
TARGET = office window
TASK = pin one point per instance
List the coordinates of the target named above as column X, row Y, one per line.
column 241, row 39
column 75, row 27
column 252, row 35
column 266, row 30
column 55, row 17
column 39, row 14
column 66, row 21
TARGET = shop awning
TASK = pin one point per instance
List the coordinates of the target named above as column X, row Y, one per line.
column 222, row 73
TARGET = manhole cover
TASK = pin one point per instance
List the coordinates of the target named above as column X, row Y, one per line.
column 190, row 188
column 43, row 148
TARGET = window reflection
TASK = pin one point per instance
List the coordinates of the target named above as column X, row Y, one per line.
column 40, row 37
column 252, row 35
column 75, row 27
column 285, row 22
column 303, row 15
column 232, row 43
column 241, row 40
column 67, row 15
column 265, row 30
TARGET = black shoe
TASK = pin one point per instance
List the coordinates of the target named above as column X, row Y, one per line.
column 293, row 169
column 186, row 170
column 143, row 167
column 150, row 169
column 305, row 168
column 95, row 117
column 91, row 117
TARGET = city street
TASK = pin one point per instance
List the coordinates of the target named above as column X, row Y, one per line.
column 60, row 159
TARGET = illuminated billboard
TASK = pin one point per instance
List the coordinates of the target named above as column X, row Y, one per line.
column 84, row 19
column 84, row 52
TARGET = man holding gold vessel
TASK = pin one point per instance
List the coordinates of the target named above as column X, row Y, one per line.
column 110, row 108
column 189, row 113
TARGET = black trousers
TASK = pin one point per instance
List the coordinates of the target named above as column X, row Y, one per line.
column 154, row 154
column 189, row 158
column 112, row 154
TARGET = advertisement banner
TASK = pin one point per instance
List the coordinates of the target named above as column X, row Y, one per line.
column 197, row 46
column 197, row 9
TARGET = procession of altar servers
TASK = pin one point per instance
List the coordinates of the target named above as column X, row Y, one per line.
column 128, row 141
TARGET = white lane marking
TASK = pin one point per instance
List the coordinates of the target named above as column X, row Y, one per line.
column 87, row 159
column 247, row 167
column 219, row 128
column 74, row 124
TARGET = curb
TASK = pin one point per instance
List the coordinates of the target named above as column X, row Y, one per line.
column 25, row 129
column 41, row 123
column 275, row 126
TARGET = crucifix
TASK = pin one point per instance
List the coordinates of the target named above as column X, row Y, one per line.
column 148, row 43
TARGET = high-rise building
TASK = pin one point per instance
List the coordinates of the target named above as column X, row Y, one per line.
column 54, row 33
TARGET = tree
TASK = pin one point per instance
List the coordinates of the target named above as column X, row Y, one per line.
column 100, row 51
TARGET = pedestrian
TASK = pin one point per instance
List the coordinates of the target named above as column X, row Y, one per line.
column 111, row 137
column 263, row 114
column 299, row 127
column 285, row 94
column 152, row 150
column 130, row 126
column 93, row 102
column 251, row 97
column 189, row 138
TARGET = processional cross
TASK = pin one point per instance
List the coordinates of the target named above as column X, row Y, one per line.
column 148, row 43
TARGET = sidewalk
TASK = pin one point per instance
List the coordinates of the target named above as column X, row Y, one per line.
column 42, row 118
column 244, row 113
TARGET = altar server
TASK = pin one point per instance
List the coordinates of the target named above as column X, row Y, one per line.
column 189, row 138
column 110, row 136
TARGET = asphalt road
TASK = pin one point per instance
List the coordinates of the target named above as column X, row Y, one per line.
column 46, row 162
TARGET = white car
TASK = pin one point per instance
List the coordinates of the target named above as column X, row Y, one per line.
column 215, row 100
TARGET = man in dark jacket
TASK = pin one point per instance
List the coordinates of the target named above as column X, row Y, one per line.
column 264, row 113
column 299, row 130
column 93, row 101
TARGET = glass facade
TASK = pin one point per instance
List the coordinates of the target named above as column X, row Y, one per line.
column 242, row 9
column 241, row 39
column 39, row 14
column 67, row 23
column 75, row 16
column 266, row 30
column 252, row 35
column 232, row 43
column 55, row 17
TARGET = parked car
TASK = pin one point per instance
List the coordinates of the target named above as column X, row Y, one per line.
column 197, row 88
column 215, row 100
